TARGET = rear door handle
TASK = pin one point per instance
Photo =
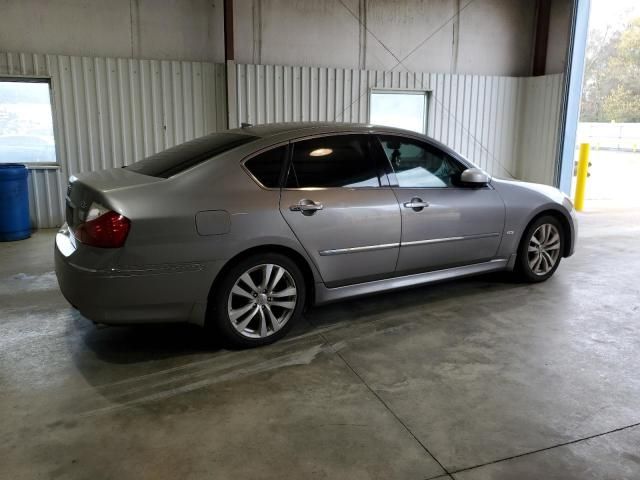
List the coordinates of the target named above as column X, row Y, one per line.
column 416, row 203
column 306, row 206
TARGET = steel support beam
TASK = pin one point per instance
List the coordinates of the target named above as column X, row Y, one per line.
column 230, row 65
column 228, row 31
column 543, row 16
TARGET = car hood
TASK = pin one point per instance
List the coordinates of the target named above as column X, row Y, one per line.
column 548, row 191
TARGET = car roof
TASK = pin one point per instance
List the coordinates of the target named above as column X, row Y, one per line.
column 292, row 130
column 273, row 129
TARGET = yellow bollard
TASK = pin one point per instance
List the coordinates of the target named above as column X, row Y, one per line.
column 583, row 167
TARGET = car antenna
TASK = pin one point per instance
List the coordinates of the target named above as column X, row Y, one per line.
column 245, row 125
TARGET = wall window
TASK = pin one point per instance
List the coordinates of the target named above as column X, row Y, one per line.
column 26, row 122
column 402, row 109
column 420, row 165
column 329, row 162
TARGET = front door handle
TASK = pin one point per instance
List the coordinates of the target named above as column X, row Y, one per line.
column 416, row 204
column 306, row 207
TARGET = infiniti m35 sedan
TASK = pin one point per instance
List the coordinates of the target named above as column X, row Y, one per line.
column 239, row 231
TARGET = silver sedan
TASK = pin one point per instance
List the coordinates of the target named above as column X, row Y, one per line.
column 239, row 231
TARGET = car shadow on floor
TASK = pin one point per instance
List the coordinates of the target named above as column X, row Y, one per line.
column 141, row 343
column 407, row 300
column 144, row 343
column 132, row 344
column 132, row 363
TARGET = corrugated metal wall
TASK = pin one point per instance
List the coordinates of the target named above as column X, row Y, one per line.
column 539, row 128
column 478, row 116
column 461, row 107
column 109, row 112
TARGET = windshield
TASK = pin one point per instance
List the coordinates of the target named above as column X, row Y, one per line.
column 181, row 157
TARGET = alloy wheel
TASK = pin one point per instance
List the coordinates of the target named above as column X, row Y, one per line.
column 544, row 249
column 262, row 300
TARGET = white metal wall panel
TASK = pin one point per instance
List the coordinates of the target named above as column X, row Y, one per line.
column 110, row 112
column 539, row 126
column 476, row 115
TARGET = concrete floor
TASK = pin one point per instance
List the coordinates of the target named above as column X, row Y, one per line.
column 477, row 379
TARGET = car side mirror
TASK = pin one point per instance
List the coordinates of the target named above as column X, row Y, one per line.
column 475, row 177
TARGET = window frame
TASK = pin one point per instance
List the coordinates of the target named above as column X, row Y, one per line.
column 408, row 91
column 379, row 166
column 391, row 174
column 57, row 164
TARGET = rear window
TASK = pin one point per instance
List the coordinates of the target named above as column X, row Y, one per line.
column 181, row 157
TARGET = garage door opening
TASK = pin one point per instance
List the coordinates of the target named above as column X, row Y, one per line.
column 399, row 108
column 610, row 107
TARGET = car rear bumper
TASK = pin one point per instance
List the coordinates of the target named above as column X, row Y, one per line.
column 130, row 294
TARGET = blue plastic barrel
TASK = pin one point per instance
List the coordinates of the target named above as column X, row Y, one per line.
column 14, row 202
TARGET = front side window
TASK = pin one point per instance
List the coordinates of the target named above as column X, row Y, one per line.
column 266, row 166
column 330, row 162
column 26, row 122
column 420, row 165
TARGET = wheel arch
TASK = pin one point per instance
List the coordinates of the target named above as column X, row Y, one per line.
column 297, row 257
column 564, row 223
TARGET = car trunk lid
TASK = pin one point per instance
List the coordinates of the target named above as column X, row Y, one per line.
column 84, row 189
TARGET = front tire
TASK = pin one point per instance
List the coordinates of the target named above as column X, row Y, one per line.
column 257, row 301
column 541, row 249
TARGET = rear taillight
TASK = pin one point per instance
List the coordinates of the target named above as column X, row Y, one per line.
column 103, row 228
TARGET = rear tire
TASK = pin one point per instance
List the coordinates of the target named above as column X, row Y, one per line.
column 257, row 301
column 540, row 249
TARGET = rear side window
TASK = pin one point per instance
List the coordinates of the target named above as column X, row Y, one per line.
column 266, row 166
column 181, row 157
column 329, row 162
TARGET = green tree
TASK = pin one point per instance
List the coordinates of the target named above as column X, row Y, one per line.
column 621, row 105
column 612, row 76
column 600, row 48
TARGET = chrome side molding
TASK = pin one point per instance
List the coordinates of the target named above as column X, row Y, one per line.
column 369, row 248
column 449, row 239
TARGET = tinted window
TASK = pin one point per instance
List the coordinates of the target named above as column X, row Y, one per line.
column 181, row 157
column 419, row 165
column 337, row 161
column 266, row 166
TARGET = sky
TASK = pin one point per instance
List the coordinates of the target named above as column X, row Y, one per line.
column 612, row 13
